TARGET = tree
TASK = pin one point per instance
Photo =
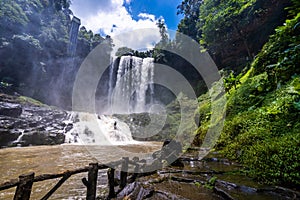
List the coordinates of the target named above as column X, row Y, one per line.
column 12, row 17
column 123, row 51
column 228, row 28
column 188, row 25
column 163, row 32
column 61, row 4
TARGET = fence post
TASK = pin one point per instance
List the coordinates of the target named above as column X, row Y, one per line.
column 111, row 183
column 136, row 171
column 124, row 170
column 24, row 188
column 91, row 183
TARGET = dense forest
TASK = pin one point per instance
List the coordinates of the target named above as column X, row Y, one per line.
column 35, row 61
column 255, row 44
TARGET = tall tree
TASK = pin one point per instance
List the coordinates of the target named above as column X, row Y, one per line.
column 163, row 32
column 188, row 25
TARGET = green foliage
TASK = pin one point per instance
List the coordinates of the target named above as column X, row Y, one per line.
column 164, row 39
column 11, row 13
column 231, row 81
column 254, row 136
column 197, row 184
column 295, row 8
column 262, row 124
column 62, row 4
column 249, row 95
column 220, row 19
column 204, row 115
column 211, row 183
column 276, row 160
column 281, row 55
column 85, row 34
column 188, row 25
column 90, row 39
column 27, row 42
column 123, row 51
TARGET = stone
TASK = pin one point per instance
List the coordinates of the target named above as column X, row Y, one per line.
column 11, row 110
column 7, row 137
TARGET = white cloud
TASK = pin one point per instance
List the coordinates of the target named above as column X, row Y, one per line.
column 147, row 16
column 113, row 19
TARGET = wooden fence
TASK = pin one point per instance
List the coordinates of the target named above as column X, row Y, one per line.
column 25, row 182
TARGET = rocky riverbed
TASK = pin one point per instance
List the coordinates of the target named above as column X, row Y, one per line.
column 211, row 178
column 24, row 122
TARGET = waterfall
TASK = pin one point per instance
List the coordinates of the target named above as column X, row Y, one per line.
column 73, row 36
column 145, row 83
column 93, row 129
column 111, row 77
column 18, row 141
column 133, row 91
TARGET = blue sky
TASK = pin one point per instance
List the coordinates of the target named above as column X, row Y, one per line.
column 165, row 8
column 114, row 16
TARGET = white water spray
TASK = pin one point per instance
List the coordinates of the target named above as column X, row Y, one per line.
column 93, row 129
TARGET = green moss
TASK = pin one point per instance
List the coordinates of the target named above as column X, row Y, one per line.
column 24, row 99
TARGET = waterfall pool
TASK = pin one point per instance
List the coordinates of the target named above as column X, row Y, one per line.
column 59, row 158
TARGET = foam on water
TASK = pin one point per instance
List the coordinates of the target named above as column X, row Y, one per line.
column 93, row 129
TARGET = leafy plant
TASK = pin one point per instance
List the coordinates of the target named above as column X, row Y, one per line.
column 211, row 183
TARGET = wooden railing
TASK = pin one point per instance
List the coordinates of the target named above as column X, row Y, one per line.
column 25, row 182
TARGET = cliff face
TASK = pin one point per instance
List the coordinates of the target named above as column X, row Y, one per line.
column 252, row 36
column 237, row 31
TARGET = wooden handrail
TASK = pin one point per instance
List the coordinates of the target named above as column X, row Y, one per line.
column 43, row 177
column 24, row 183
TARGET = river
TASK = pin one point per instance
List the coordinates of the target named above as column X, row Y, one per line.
column 55, row 159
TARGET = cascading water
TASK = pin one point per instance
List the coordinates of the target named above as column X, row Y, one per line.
column 92, row 129
column 19, row 139
column 73, row 36
column 111, row 76
column 133, row 88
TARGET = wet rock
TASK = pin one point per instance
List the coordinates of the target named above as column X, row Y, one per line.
column 42, row 138
column 69, row 127
column 222, row 193
column 11, row 110
column 41, row 124
column 135, row 191
column 285, row 193
column 7, row 137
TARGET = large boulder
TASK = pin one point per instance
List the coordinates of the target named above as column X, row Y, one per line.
column 8, row 136
column 10, row 109
column 42, row 138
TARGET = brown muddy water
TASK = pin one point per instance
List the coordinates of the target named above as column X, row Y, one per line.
column 177, row 182
column 56, row 159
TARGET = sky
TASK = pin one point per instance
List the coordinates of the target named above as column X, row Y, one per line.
column 114, row 17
